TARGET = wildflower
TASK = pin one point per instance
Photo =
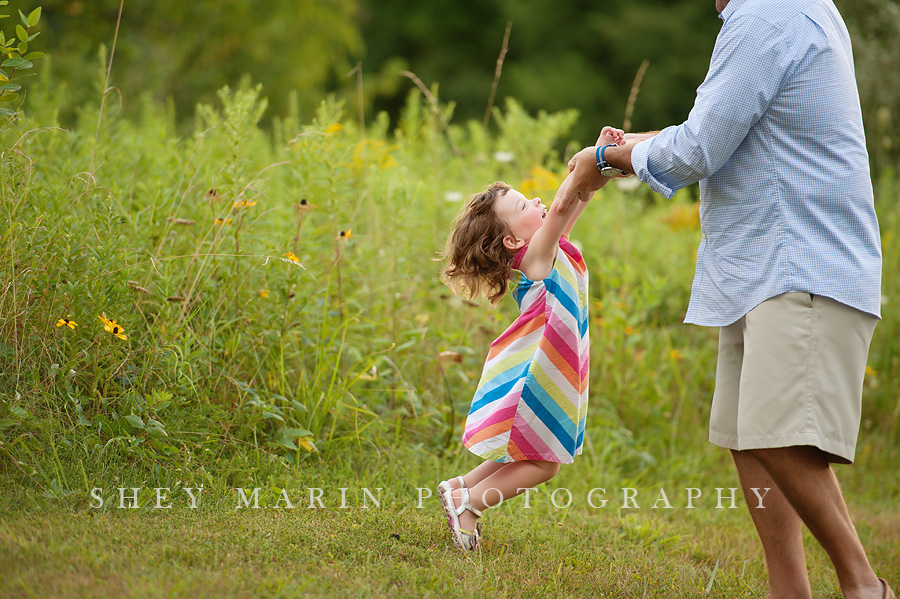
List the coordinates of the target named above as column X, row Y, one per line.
column 306, row 444
column 263, row 293
column 303, row 206
column 453, row 196
column 540, row 179
column 212, row 194
column 291, row 257
column 65, row 322
column 345, row 235
column 333, row 129
column 244, row 203
column 504, row 156
column 629, row 329
column 871, row 371
column 222, row 221
column 674, row 354
column 112, row 327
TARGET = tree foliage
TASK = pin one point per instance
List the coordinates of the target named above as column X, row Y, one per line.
column 576, row 54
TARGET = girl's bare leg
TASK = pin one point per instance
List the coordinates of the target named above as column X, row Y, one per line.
column 509, row 480
column 478, row 474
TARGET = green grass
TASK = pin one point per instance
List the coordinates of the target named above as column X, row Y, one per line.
column 66, row 548
column 333, row 378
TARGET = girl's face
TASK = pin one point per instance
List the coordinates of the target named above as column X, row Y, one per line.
column 522, row 216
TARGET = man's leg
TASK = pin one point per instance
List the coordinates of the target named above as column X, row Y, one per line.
column 778, row 526
column 808, row 483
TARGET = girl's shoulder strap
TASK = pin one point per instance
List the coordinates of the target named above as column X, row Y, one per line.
column 569, row 248
column 517, row 259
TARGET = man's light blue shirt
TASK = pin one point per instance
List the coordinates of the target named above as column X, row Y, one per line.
column 776, row 140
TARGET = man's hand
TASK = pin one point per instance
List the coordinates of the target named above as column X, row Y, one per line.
column 582, row 180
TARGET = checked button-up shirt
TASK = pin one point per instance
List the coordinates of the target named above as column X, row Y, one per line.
column 776, row 140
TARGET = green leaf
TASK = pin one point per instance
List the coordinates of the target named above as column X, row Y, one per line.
column 294, row 433
column 298, row 406
column 33, row 35
column 7, row 112
column 22, row 47
column 13, row 62
column 21, row 33
column 19, row 412
column 157, row 432
column 134, row 421
column 7, row 422
column 13, row 87
column 24, row 18
column 35, row 17
column 273, row 416
column 34, row 55
column 9, row 97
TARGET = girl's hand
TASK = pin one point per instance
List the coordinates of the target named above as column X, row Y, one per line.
column 611, row 135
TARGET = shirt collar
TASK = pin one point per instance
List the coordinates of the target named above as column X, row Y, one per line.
column 733, row 5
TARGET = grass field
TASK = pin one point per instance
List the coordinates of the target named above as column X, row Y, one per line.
column 281, row 326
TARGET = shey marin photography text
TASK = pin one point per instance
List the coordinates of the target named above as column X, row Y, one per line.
column 624, row 498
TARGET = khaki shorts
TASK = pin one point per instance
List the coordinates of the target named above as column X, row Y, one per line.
column 791, row 373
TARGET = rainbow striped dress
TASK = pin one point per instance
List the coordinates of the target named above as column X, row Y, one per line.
column 531, row 401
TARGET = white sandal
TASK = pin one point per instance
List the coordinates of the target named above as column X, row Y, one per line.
column 465, row 540
column 444, row 486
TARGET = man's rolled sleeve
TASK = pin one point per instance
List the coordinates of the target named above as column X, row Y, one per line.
column 640, row 157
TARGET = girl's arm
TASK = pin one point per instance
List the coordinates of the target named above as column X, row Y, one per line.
column 576, row 212
column 538, row 259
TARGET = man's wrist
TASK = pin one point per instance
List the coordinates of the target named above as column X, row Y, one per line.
column 620, row 157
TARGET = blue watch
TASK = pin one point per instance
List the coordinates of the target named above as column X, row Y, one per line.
column 605, row 168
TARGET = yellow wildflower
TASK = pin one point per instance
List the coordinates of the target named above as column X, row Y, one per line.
column 871, row 371
column 540, row 180
column 112, row 327
column 263, row 293
column 674, row 354
column 629, row 329
column 333, row 129
column 244, row 203
column 344, row 235
column 65, row 322
column 222, row 221
column 291, row 257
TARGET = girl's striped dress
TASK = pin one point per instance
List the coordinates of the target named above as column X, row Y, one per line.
column 531, row 400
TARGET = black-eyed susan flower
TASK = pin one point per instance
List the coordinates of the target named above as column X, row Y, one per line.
column 244, row 203
column 303, row 206
column 222, row 221
column 263, row 293
column 291, row 257
column 65, row 322
column 113, row 327
column 344, row 235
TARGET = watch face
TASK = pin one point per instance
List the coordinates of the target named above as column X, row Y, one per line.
column 610, row 171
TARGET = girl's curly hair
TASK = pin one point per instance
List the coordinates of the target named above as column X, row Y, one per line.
column 477, row 262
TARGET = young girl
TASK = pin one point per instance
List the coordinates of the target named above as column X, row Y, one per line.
column 528, row 413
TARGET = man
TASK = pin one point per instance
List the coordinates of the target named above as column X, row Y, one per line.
column 789, row 267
